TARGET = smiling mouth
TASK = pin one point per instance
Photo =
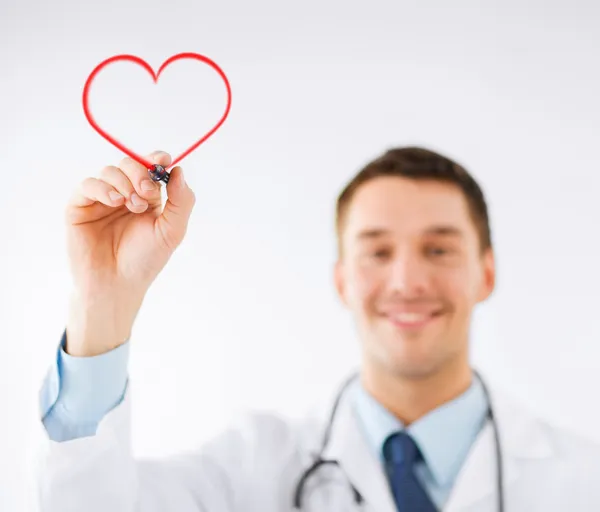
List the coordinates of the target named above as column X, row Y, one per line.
column 408, row 320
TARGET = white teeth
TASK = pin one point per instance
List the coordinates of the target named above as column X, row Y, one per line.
column 409, row 317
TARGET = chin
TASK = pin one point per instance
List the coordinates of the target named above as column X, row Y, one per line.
column 415, row 359
column 412, row 363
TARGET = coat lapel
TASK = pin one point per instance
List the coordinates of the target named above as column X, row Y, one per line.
column 348, row 446
column 521, row 438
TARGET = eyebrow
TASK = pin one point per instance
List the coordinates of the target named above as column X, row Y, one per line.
column 440, row 230
column 445, row 230
column 367, row 234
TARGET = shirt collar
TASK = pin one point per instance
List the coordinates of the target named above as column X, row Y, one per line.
column 444, row 435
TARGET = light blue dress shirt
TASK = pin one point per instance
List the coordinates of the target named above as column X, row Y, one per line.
column 79, row 391
column 444, row 435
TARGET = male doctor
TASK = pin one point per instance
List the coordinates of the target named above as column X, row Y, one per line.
column 416, row 431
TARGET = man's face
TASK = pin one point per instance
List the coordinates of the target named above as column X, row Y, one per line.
column 411, row 273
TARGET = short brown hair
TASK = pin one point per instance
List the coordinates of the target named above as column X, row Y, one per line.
column 419, row 164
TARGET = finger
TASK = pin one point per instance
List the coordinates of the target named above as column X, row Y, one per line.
column 93, row 190
column 140, row 178
column 117, row 179
column 174, row 219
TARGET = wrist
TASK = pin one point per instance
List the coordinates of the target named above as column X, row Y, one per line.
column 97, row 325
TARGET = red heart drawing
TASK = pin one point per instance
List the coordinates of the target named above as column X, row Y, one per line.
column 154, row 76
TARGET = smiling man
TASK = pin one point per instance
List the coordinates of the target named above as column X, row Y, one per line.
column 417, row 431
column 415, row 259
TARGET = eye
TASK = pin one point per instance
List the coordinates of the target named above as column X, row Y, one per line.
column 437, row 251
column 380, row 254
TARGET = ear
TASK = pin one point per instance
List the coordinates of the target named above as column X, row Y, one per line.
column 488, row 282
column 339, row 281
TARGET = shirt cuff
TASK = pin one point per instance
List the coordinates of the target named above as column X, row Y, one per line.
column 82, row 390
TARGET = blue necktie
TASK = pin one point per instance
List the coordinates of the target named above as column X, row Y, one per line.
column 401, row 454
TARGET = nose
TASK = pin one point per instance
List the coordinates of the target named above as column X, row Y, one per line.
column 409, row 276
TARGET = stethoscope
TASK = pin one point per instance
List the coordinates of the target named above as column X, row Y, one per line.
column 358, row 498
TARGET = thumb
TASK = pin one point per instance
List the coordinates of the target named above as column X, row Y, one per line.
column 174, row 219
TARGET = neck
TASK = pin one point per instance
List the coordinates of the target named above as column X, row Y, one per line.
column 410, row 398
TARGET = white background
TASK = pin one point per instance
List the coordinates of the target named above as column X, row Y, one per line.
column 245, row 315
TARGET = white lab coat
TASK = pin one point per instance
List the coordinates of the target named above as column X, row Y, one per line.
column 255, row 465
